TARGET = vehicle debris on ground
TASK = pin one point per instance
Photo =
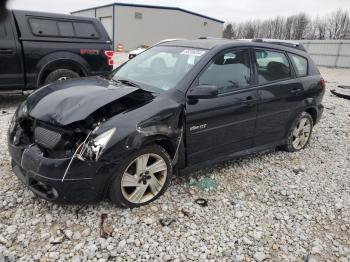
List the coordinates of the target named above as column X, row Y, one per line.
column 342, row 92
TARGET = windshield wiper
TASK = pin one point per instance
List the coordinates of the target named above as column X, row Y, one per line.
column 126, row 82
column 142, row 86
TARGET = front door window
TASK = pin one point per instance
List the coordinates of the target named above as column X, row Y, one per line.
column 229, row 71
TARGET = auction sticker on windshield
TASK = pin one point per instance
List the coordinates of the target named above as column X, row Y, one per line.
column 193, row 52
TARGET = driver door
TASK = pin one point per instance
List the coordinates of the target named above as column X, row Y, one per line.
column 220, row 126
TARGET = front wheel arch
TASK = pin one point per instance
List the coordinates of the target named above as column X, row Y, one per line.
column 115, row 190
column 163, row 142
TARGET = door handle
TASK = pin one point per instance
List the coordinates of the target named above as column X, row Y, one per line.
column 6, row 51
column 296, row 90
column 249, row 100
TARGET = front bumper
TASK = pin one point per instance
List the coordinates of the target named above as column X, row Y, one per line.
column 86, row 181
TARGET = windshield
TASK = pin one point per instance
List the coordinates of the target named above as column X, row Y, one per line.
column 161, row 67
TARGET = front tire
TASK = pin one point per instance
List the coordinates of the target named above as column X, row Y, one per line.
column 142, row 178
column 300, row 133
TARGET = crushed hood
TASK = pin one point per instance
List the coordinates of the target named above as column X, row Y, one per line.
column 63, row 103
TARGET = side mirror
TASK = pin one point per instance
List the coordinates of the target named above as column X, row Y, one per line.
column 203, row 92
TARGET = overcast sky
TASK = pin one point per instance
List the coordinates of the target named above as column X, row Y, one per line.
column 227, row 10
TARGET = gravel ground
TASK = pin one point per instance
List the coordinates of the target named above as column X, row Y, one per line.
column 272, row 206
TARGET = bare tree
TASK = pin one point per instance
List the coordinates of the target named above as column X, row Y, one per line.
column 311, row 30
column 266, row 29
column 321, row 28
column 288, row 28
column 338, row 24
column 299, row 26
column 228, row 31
column 277, row 27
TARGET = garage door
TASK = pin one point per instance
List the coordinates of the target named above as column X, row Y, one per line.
column 108, row 24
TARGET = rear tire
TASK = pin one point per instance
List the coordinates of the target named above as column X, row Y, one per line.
column 142, row 178
column 300, row 133
column 60, row 74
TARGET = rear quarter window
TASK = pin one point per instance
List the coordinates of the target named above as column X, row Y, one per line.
column 300, row 64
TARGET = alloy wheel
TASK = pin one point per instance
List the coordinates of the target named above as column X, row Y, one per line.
column 144, row 178
column 301, row 133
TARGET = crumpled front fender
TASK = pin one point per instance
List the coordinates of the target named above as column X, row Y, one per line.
column 134, row 130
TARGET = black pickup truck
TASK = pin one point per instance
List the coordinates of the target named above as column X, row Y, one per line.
column 38, row 48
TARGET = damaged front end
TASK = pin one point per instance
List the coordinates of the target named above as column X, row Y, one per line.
column 44, row 158
column 59, row 155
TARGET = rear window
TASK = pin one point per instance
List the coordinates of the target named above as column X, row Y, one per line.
column 61, row 28
column 300, row 64
column 86, row 30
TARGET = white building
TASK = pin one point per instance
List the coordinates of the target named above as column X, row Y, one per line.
column 133, row 25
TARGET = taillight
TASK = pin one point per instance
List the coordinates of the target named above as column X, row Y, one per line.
column 109, row 54
column 322, row 83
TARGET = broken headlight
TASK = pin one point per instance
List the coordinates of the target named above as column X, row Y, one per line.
column 22, row 111
column 12, row 126
column 93, row 148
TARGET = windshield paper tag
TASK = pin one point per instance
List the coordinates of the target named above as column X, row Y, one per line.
column 193, row 52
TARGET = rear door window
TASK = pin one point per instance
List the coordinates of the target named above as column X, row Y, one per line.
column 272, row 66
column 300, row 64
column 85, row 30
column 66, row 28
column 43, row 27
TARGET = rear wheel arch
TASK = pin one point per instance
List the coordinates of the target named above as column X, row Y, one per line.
column 60, row 64
column 289, row 139
column 306, row 108
column 313, row 112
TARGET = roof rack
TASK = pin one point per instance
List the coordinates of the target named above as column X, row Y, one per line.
column 287, row 43
column 214, row 38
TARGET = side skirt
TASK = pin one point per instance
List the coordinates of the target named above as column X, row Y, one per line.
column 253, row 150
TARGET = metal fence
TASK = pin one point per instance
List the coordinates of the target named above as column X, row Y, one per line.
column 329, row 53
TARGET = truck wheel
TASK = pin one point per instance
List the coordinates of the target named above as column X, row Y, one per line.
column 142, row 178
column 300, row 133
column 59, row 75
